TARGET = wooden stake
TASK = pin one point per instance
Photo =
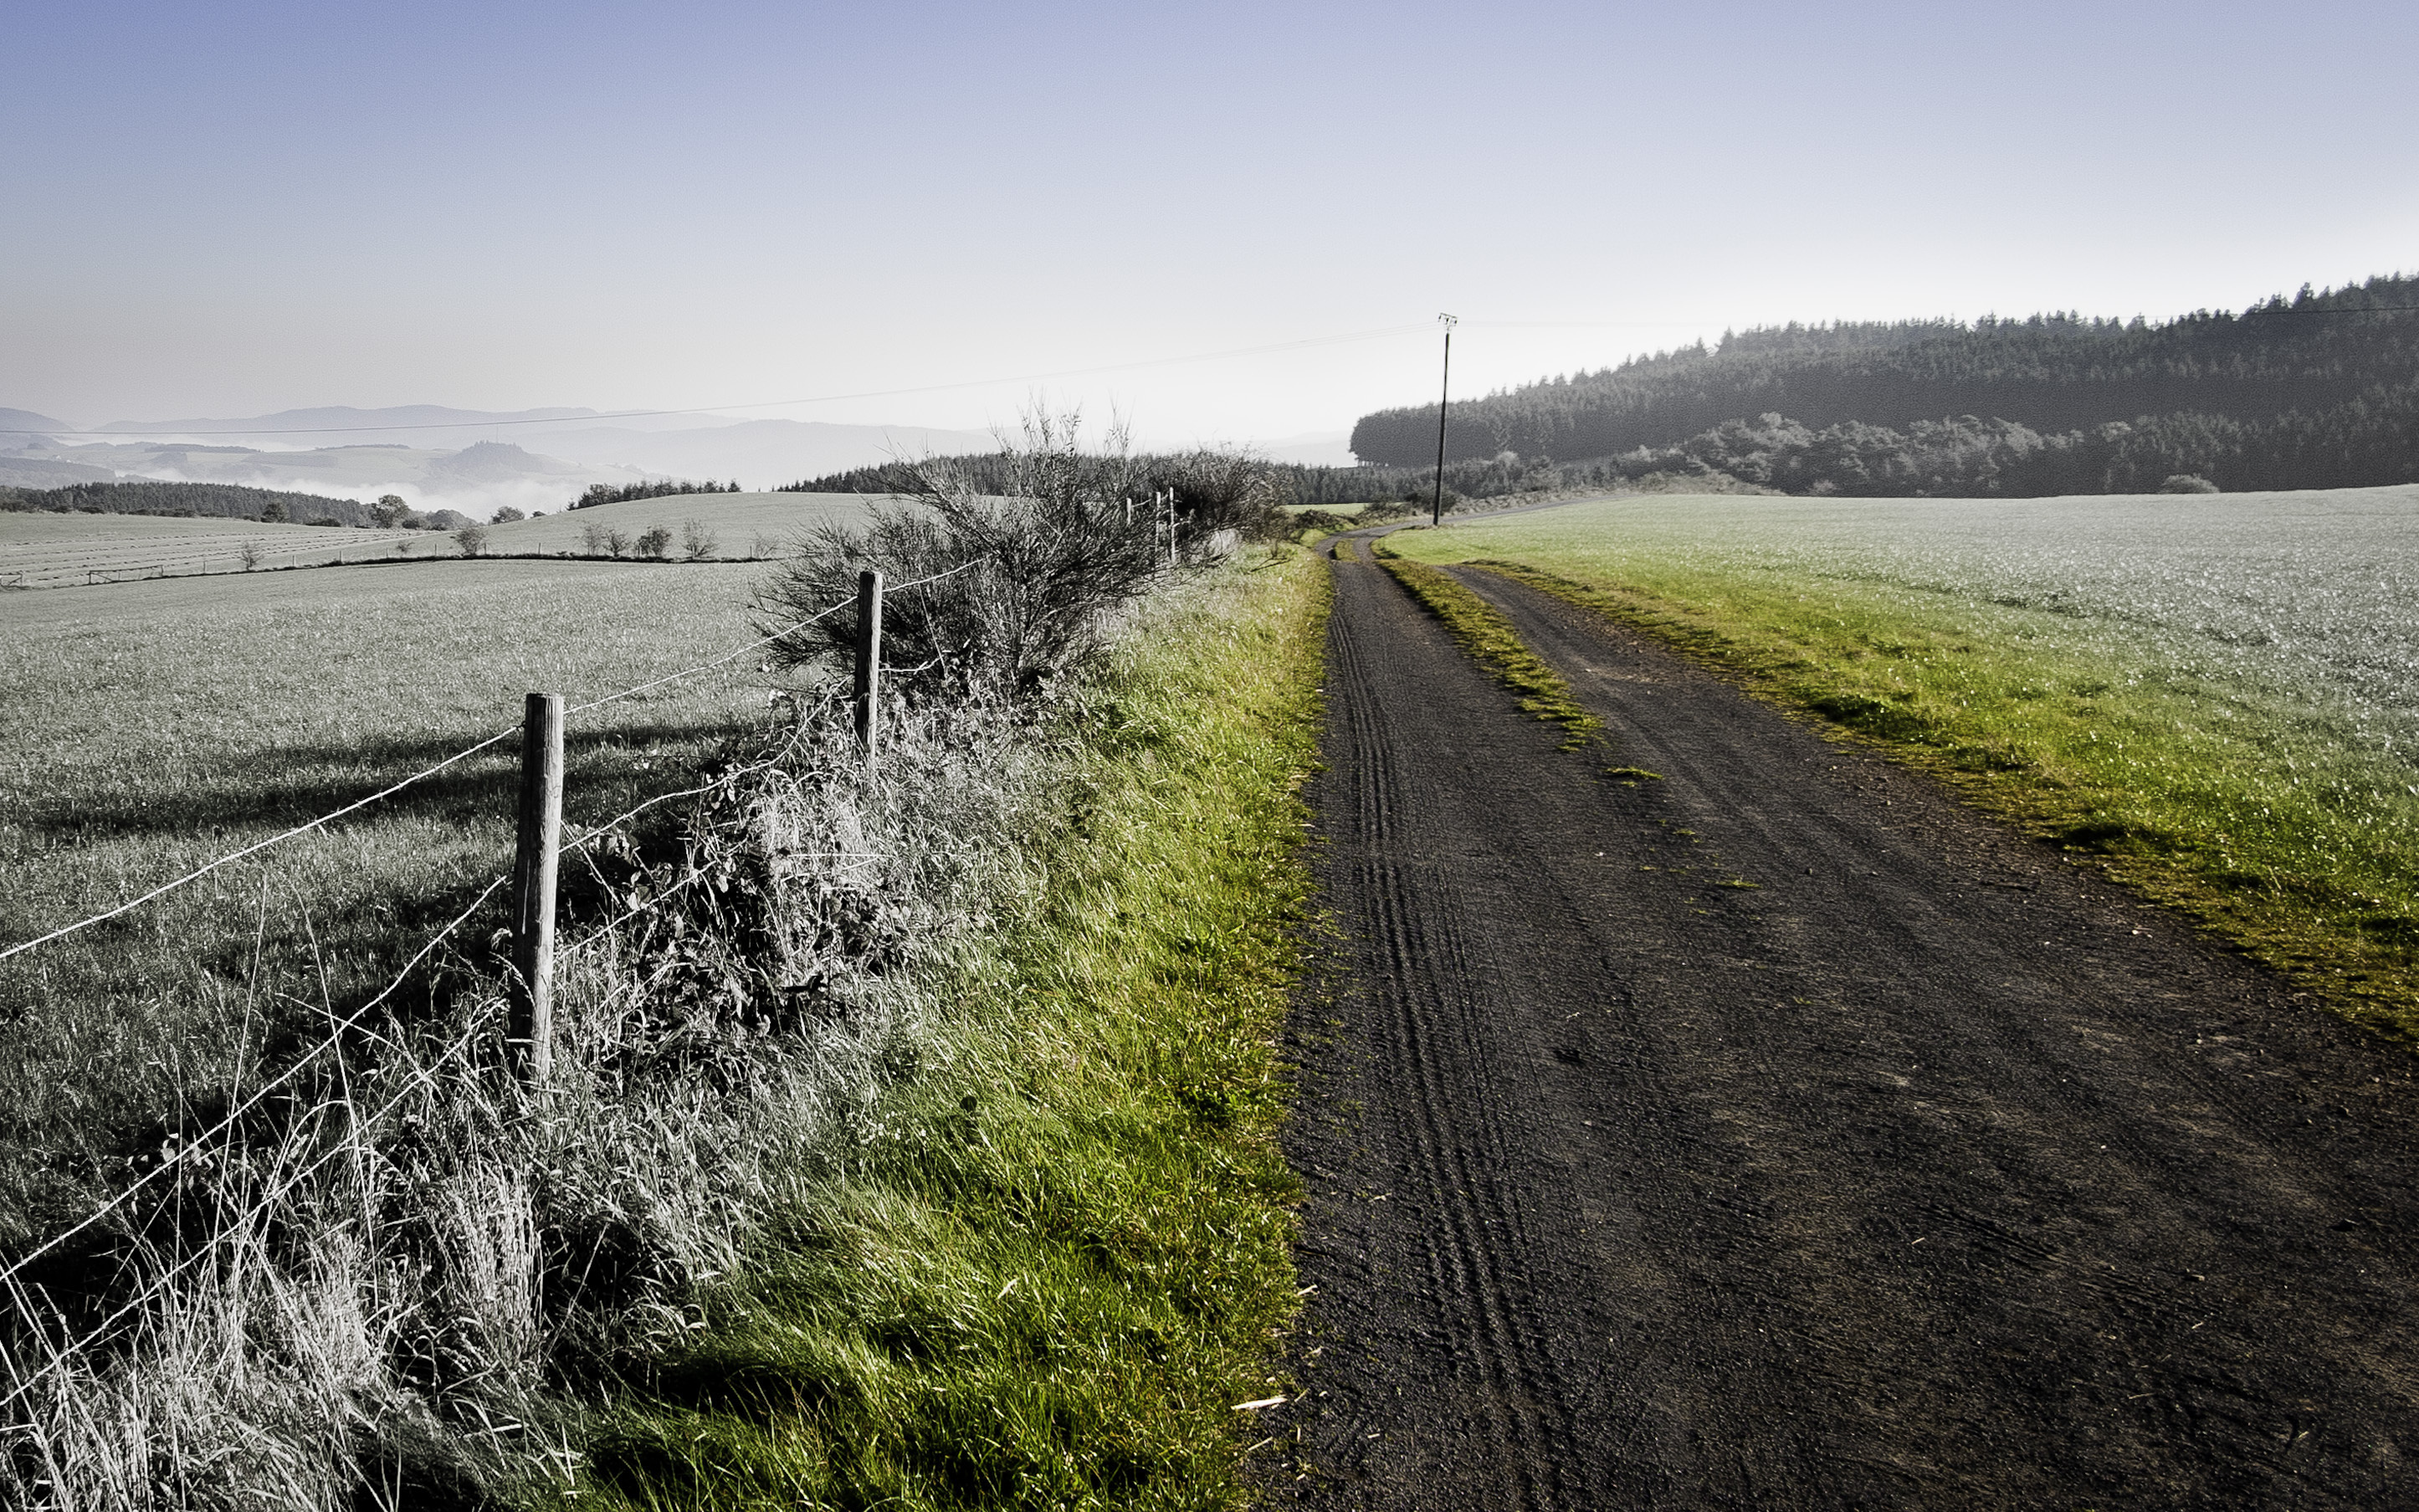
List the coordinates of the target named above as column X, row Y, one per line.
column 869, row 659
column 530, row 1032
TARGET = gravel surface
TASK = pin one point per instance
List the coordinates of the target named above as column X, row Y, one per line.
column 1781, row 1133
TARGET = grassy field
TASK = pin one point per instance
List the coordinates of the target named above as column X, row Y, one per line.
column 746, row 524
column 39, row 549
column 149, row 727
column 2210, row 696
column 1058, row 1261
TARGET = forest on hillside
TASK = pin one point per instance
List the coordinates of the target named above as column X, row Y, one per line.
column 212, row 501
column 2319, row 391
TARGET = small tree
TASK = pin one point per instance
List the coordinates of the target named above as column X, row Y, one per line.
column 698, row 540
column 656, row 541
column 617, row 542
column 505, row 515
column 390, row 512
column 592, row 537
column 249, row 554
column 273, row 512
column 471, row 539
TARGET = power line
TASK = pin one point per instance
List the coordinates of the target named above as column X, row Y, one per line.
column 766, row 404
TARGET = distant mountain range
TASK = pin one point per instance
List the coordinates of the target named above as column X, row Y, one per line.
column 472, row 460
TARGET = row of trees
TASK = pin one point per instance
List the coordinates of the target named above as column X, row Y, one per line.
column 2373, row 439
column 606, row 493
column 189, row 500
column 2326, row 356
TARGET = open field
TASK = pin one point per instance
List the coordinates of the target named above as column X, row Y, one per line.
column 39, row 549
column 2211, row 697
column 149, row 727
column 1064, row 1179
column 747, row 524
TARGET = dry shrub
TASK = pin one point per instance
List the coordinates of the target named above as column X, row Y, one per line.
column 1222, row 499
column 1033, row 552
column 388, row 1285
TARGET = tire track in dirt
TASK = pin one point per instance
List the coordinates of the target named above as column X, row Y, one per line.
column 1924, row 1171
column 1416, row 929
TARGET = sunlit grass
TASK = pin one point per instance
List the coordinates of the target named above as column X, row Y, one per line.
column 2210, row 697
column 1055, row 1263
column 1476, row 626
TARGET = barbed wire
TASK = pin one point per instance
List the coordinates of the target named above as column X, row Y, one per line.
column 201, row 871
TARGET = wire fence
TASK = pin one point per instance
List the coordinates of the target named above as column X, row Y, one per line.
column 245, row 1222
column 11, row 1274
column 459, row 756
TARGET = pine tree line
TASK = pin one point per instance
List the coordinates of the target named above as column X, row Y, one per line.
column 2222, row 383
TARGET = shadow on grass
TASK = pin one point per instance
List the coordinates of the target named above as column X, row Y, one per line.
column 486, row 784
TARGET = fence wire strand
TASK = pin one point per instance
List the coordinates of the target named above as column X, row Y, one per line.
column 459, row 756
column 9, row 1274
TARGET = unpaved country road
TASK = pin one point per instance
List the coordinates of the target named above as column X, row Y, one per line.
column 1929, row 1171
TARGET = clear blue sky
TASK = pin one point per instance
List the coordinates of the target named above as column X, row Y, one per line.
column 228, row 209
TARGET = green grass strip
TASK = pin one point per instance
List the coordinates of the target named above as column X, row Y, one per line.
column 1057, row 1260
column 1488, row 637
column 2250, row 826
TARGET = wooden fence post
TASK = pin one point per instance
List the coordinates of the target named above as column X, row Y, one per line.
column 530, row 1032
column 869, row 660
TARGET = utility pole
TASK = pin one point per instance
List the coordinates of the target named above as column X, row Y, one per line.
column 1444, row 396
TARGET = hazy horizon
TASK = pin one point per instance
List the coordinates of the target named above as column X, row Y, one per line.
column 258, row 208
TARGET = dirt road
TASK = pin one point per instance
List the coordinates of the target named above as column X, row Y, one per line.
column 1780, row 1133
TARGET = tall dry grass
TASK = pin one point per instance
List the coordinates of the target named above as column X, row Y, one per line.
column 393, row 1280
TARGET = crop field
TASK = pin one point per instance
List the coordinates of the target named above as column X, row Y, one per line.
column 2216, row 698
column 47, row 551
column 39, row 549
column 147, row 728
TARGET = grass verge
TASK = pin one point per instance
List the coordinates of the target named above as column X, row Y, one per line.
column 1489, row 636
column 2257, row 821
column 1051, row 1260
